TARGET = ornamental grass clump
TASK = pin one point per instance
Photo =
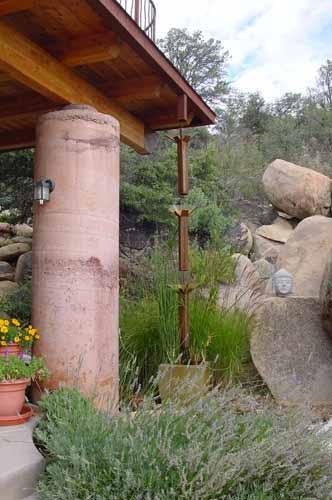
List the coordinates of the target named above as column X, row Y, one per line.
column 13, row 333
column 217, row 448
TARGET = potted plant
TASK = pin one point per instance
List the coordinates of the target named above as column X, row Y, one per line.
column 16, row 338
column 15, row 376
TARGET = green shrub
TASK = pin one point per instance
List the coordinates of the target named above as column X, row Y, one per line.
column 18, row 304
column 222, row 338
column 210, row 450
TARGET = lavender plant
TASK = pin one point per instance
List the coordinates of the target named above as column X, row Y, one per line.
column 217, row 448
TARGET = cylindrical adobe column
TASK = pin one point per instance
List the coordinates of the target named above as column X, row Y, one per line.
column 76, row 251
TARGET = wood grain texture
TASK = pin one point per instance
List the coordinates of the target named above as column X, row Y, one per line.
column 34, row 67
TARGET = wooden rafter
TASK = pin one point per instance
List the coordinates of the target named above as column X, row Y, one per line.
column 26, row 103
column 119, row 21
column 31, row 102
column 18, row 139
column 11, row 6
column 168, row 121
column 29, row 64
column 140, row 88
column 90, row 50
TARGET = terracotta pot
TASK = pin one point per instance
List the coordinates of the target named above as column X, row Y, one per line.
column 12, row 396
column 10, row 350
column 184, row 383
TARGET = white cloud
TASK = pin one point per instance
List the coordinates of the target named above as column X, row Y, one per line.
column 276, row 45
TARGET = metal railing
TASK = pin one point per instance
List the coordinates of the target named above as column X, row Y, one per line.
column 144, row 13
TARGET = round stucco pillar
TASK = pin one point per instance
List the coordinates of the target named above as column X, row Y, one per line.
column 76, row 251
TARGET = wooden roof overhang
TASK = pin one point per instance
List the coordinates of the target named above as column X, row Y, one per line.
column 55, row 52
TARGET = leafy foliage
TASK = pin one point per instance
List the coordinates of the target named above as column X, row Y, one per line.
column 202, row 62
column 18, row 304
column 13, row 368
column 16, row 184
column 210, row 449
column 148, row 187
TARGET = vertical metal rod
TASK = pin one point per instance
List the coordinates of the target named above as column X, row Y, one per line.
column 137, row 10
column 184, row 241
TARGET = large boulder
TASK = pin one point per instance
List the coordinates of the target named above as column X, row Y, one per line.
column 325, row 296
column 22, row 239
column 305, row 254
column 6, row 271
column 296, row 190
column 23, row 230
column 7, row 287
column 245, row 292
column 14, row 250
column 23, row 267
column 265, row 271
column 292, row 352
column 5, row 227
column 240, row 238
column 266, row 249
column 280, row 230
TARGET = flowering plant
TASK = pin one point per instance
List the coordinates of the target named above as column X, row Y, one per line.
column 12, row 368
column 12, row 332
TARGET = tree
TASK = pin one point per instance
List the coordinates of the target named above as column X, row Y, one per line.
column 290, row 104
column 202, row 62
column 254, row 115
column 16, row 184
column 321, row 94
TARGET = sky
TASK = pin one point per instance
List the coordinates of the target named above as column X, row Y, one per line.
column 276, row 46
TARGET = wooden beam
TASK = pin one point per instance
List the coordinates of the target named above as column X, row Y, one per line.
column 25, row 104
column 148, row 87
column 182, row 108
column 19, row 139
column 90, row 50
column 118, row 20
column 31, row 104
column 11, row 6
column 168, row 121
column 27, row 63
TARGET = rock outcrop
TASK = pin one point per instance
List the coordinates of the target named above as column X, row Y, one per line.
column 23, row 267
column 280, row 230
column 297, row 191
column 265, row 271
column 15, row 255
column 305, row 254
column 292, row 343
column 266, row 249
column 292, row 352
column 325, row 296
column 245, row 292
column 240, row 238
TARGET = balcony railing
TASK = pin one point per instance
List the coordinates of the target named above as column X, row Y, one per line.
column 144, row 13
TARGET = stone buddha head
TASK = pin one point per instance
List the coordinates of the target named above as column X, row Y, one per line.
column 282, row 282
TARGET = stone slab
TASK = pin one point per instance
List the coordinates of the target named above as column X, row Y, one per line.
column 20, row 462
column 279, row 231
column 267, row 249
column 292, row 352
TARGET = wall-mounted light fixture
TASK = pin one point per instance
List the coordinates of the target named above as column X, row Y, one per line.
column 42, row 190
